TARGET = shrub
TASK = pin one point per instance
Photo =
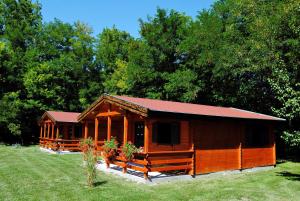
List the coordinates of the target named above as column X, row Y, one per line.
column 90, row 159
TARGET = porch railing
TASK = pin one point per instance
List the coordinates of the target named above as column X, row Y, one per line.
column 161, row 161
column 60, row 144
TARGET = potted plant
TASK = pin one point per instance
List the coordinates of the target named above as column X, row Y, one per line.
column 109, row 150
column 128, row 150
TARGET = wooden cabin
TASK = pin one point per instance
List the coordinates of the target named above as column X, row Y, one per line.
column 60, row 131
column 175, row 136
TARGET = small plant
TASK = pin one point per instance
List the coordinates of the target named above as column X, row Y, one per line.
column 109, row 150
column 85, row 144
column 90, row 159
column 128, row 151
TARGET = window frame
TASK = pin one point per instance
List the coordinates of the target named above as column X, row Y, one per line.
column 258, row 139
column 173, row 140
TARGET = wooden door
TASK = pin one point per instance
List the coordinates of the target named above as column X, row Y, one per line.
column 139, row 130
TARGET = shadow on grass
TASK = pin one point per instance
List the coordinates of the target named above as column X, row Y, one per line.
column 99, row 183
column 289, row 175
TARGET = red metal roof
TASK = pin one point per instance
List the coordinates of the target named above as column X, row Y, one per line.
column 195, row 109
column 62, row 116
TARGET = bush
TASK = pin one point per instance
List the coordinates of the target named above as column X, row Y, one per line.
column 90, row 159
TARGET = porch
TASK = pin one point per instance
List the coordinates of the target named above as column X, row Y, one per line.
column 60, row 134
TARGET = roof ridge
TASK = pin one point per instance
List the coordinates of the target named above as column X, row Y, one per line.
column 116, row 96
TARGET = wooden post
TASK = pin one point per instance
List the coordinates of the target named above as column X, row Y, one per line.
column 242, row 134
column 96, row 131
column 73, row 132
column 125, row 129
column 86, row 129
column 41, row 131
column 272, row 136
column 44, row 133
column 147, row 131
column 108, row 127
column 52, row 131
column 48, row 131
column 57, row 131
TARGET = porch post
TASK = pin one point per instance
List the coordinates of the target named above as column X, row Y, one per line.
column 86, row 130
column 73, row 132
column 96, row 131
column 109, row 124
column 44, row 133
column 125, row 129
column 52, row 131
column 57, row 131
column 48, row 131
column 108, row 127
column 41, row 131
column 146, row 135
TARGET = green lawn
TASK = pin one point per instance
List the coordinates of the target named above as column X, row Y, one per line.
column 28, row 174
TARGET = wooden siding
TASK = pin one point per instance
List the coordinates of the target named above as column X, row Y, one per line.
column 254, row 157
column 219, row 147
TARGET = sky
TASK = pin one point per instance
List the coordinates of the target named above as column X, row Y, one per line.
column 124, row 14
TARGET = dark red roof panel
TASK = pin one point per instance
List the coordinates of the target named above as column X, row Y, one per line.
column 64, row 116
column 195, row 109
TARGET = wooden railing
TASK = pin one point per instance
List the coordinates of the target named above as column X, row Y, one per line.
column 162, row 161
column 60, row 144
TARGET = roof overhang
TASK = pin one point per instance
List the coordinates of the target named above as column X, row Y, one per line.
column 106, row 98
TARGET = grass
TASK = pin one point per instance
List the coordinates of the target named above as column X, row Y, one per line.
column 26, row 173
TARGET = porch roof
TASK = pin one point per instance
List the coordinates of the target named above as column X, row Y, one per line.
column 56, row 116
column 144, row 105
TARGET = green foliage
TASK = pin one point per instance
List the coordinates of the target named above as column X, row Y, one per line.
column 89, row 159
column 292, row 138
column 128, row 150
column 237, row 53
column 109, row 145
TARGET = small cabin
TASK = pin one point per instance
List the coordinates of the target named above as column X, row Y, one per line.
column 60, row 131
column 175, row 136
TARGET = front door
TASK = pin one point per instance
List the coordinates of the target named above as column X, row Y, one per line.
column 139, row 134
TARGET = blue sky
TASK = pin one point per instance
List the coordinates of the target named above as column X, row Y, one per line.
column 124, row 14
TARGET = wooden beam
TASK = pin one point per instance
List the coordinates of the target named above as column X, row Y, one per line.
column 272, row 136
column 86, row 130
column 41, row 131
column 125, row 129
column 45, row 131
column 96, row 131
column 57, row 131
column 48, row 130
column 106, row 114
column 148, row 127
column 52, row 131
column 109, row 124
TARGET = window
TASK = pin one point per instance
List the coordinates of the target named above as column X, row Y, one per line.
column 166, row 133
column 256, row 135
